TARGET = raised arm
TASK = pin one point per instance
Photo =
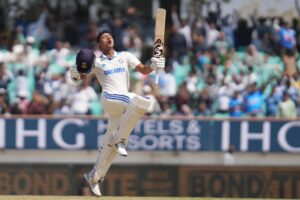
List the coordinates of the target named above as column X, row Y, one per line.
column 156, row 64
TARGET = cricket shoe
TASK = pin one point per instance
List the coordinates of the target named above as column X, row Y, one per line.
column 119, row 147
column 93, row 186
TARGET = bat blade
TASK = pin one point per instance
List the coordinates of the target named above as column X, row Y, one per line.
column 159, row 35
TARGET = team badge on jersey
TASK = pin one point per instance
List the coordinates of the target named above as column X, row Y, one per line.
column 120, row 61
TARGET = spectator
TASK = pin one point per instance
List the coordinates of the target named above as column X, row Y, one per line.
column 199, row 42
column 203, row 96
column 286, row 107
column 229, row 158
column 20, row 104
column 167, row 83
column 30, row 52
column 212, row 34
column 4, row 107
column 166, row 107
column 118, row 33
column 221, row 44
column 287, row 36
column 227, row 26
column 186, row 31
column 94, row 10
column 82, row 99
column 154, row 107
column 203, row 60
column 38, row 29
column 22, row 84
column 251, row 77
column 212, row 87
column 38, row 104
column 242, row 35
column 236, row 105
column 292, row 91
column 184, row 28
column 287, row 42
column 222, row 99
column 202, row 109
column 5, row 76
column 272, row 102
column 91, row 33
column 224, row 78
column 191, row 82
column 62, row 108
column 132, row 41
column 54, row 87
column 237, row 84
column 177, row 43
column 182, row 101
column 254, row 101
column 253, row 57
column 59, row 54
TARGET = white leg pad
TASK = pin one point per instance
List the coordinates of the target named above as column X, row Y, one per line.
column 107, row 165
column 105, row 158
column 136, row 109
column 106, row 153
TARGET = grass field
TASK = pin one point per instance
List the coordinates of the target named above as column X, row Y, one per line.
column 102, row 198
column 11, row 197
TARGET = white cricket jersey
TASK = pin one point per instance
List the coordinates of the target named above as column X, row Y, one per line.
column 113, row 73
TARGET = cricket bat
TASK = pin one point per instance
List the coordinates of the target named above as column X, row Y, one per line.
column 159, row 35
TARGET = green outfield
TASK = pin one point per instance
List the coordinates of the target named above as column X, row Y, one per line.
column 11, row 197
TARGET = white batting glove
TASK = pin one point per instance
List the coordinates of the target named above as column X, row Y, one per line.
column 75, row 76
column 158, row 63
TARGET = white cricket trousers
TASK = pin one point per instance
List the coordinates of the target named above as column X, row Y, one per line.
column 114, row 106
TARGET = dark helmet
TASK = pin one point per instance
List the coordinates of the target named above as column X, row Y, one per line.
column 85, row 61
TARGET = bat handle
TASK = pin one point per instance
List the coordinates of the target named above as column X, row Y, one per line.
column 156, row 77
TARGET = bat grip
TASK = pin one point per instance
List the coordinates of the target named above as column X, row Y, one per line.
column 156, row 77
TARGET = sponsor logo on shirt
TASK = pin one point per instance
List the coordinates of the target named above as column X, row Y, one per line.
column 114, row 71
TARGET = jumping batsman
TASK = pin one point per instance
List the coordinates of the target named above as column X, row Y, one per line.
column 124, row 109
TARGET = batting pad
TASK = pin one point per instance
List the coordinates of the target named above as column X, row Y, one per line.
column 136, row 109
column 106, row 153
column 103, row 163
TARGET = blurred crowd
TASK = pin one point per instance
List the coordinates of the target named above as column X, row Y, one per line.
column 216, row 66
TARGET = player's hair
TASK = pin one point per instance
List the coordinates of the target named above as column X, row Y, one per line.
column 102, row 32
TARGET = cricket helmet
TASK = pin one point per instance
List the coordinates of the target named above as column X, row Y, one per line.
column 85, row 61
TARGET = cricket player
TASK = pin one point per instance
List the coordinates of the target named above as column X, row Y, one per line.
column 124, row 109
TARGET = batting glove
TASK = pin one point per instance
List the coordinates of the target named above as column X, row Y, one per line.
column 75, row 76
column 158, row 63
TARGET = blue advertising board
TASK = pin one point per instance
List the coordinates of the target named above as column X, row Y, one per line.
column 153, row 134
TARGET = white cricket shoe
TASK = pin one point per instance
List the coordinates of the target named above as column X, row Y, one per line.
column 121, row 149
column 93, row 186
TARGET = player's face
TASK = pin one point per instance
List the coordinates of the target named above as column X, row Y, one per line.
column 106, row 42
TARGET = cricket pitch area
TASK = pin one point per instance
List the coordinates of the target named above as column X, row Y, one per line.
column 27, row 197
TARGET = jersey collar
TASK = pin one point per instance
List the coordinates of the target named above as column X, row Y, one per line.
column 102, row 56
